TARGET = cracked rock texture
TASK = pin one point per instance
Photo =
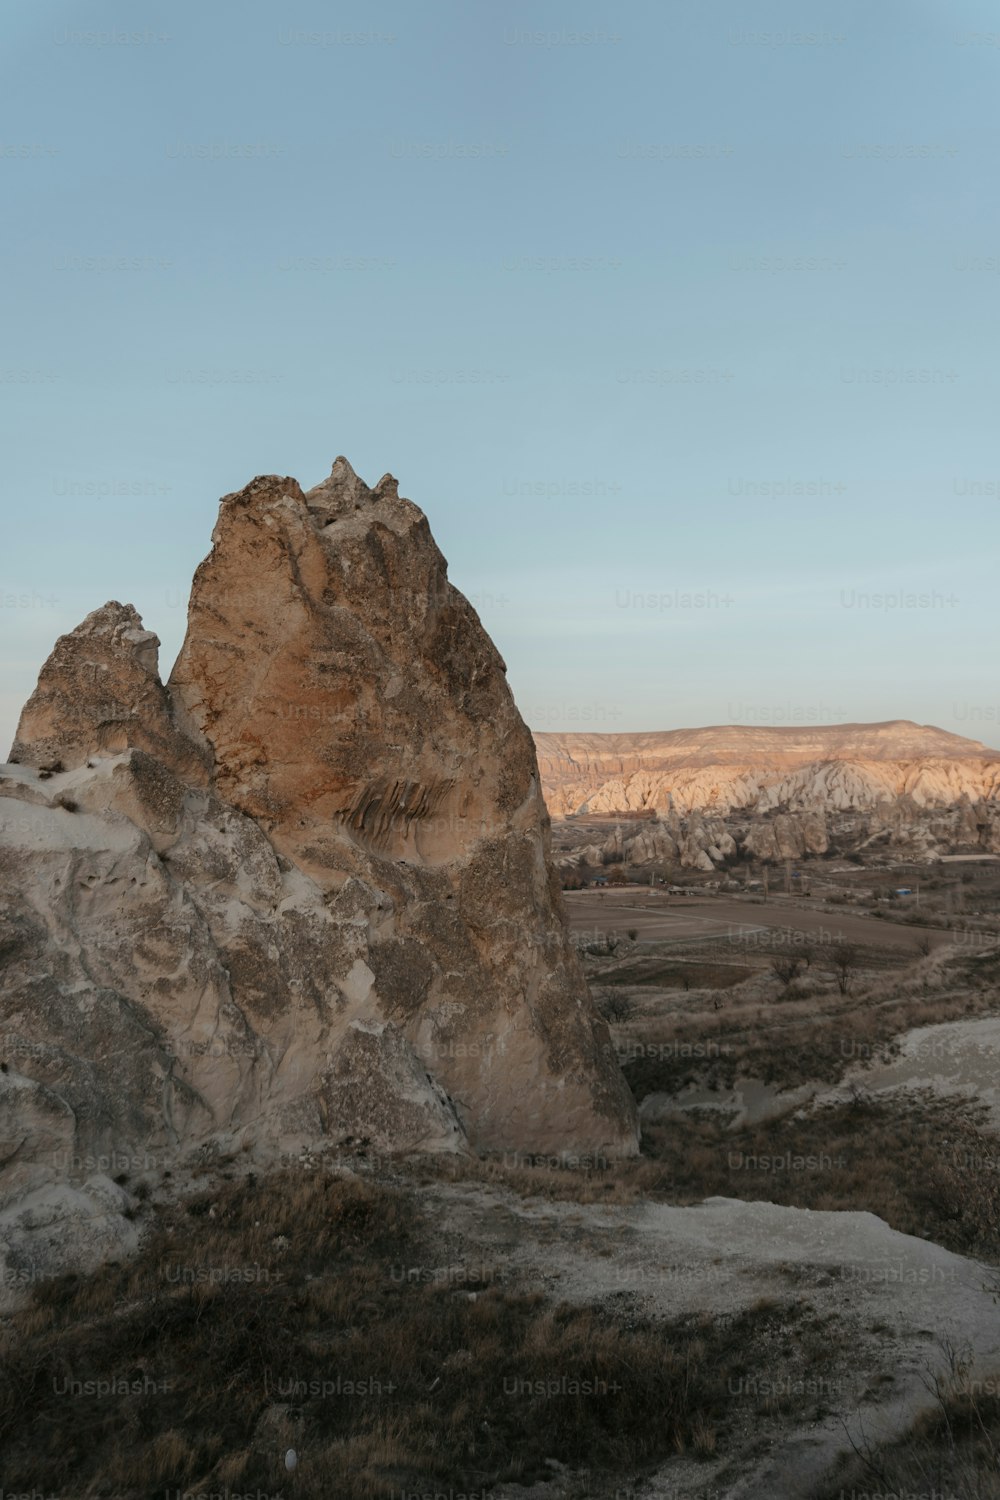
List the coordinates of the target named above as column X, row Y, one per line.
column 302, row 893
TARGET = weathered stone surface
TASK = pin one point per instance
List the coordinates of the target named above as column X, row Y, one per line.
column 62, row 1228
column 787, row 836
column 376, row 1089
column 99, row 693
column 300, row 897
column 358, row 711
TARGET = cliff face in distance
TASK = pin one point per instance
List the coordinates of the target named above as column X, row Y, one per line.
column 820, row 768
column 301, row 895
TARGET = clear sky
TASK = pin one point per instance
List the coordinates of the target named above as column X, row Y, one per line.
column 677, row 317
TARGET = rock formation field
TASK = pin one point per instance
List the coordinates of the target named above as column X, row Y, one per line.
column 709, row 795
column 834, row 767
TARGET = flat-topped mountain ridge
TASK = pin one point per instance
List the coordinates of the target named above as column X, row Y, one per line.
column 732, row 765
column 890, row 739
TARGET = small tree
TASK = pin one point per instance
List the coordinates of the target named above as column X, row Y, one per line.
column 845, row 967
column 614, row 1006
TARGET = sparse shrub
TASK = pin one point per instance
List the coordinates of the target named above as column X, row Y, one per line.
column 786, row 967
column 956, row 1441
column 845, row 967
column 614, row 1006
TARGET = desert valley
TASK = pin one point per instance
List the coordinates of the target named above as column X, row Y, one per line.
column 370, row 1127
column 500, row 968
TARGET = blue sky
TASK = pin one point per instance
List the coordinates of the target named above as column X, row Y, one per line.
column 678, row 320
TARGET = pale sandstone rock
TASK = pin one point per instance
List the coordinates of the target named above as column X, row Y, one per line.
column 98, row 693
column 358, row 711
column 300, row 897
column 63, row 1228
column 782, row 785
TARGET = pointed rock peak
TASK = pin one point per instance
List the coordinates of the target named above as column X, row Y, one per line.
column 123, row 624
column 115, row 630
column 263, row 488
column 110, row 617
column 341, row 471
column 340, row 495
column 100, row 693
column 387, row 488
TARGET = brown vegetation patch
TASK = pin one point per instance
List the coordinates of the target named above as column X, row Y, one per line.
column 308, row 1314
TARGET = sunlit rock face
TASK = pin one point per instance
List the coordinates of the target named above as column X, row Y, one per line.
column 299, row 896
column 731, row 767
column 705, row 796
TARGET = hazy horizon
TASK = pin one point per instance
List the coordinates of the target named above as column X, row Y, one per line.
column 736, row 724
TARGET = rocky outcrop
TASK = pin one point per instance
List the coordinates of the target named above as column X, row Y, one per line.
column 901, row 829
column 773, row 794
column 733, row 768
column 786, row 836
column 99, row 692
column 300, row 895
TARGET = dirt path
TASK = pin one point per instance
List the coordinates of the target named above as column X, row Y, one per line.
column 955, row 1058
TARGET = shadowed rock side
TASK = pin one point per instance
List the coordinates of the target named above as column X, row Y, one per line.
column 301, row 895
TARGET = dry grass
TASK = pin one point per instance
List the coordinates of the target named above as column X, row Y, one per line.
column 679, row 973
column 792, row 1034
column 919, row 1162
column 953, row 1450
column 244, row 1316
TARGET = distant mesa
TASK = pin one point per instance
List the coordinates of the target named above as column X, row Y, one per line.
column 731, row 766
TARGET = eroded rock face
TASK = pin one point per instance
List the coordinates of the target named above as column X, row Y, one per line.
column 348, row 691
column 728, row 768
column 787, row 793
column 100, row 692
column 300, row 896
column 787, row 836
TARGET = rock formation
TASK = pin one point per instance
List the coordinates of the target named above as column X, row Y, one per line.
column 730, row 767
column 300, row 895
column 705, row 797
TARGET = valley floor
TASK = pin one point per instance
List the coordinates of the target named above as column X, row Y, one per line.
column 792, row 1292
